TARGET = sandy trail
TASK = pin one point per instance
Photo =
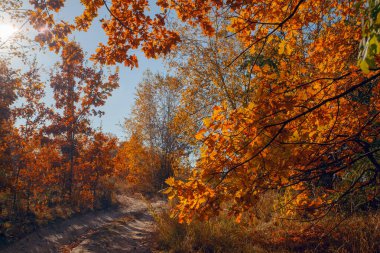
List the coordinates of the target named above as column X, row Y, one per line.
column 128, row 228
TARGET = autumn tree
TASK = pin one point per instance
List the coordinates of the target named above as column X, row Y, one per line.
column 312, row 115
column 38, row 178
column 310, row 124
column 136, row 164
column 35, row 165
column 9, row 81
column 199, row 63
column 25, row 159
column 78, row 92
column 97, row 169
column 152, row 122
column 30, row 115
column 29, row 159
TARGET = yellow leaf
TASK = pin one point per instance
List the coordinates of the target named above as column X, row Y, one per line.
column 289, row 49
column 281, row 47
column 296, row 135
column 170, row 181
column 167, row 190
column 207, row 122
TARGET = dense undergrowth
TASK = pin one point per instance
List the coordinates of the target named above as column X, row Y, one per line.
column 270, row 232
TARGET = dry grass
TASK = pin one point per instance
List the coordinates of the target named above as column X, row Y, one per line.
column 359, row 233
column 218, row 235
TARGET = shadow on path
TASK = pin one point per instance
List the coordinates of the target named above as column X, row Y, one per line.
column 128, row 228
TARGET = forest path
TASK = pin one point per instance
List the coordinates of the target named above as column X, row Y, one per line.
column 128, row 228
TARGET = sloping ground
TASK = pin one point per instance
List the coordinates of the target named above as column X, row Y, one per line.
column 128, row 228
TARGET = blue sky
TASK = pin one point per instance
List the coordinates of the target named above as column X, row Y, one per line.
column 119, row 105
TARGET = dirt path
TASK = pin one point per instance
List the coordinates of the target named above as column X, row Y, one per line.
column 128, row 228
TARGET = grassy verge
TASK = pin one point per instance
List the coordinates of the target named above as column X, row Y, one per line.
column 359, row 233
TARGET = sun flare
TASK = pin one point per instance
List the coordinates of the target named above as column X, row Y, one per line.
column 6, row 31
